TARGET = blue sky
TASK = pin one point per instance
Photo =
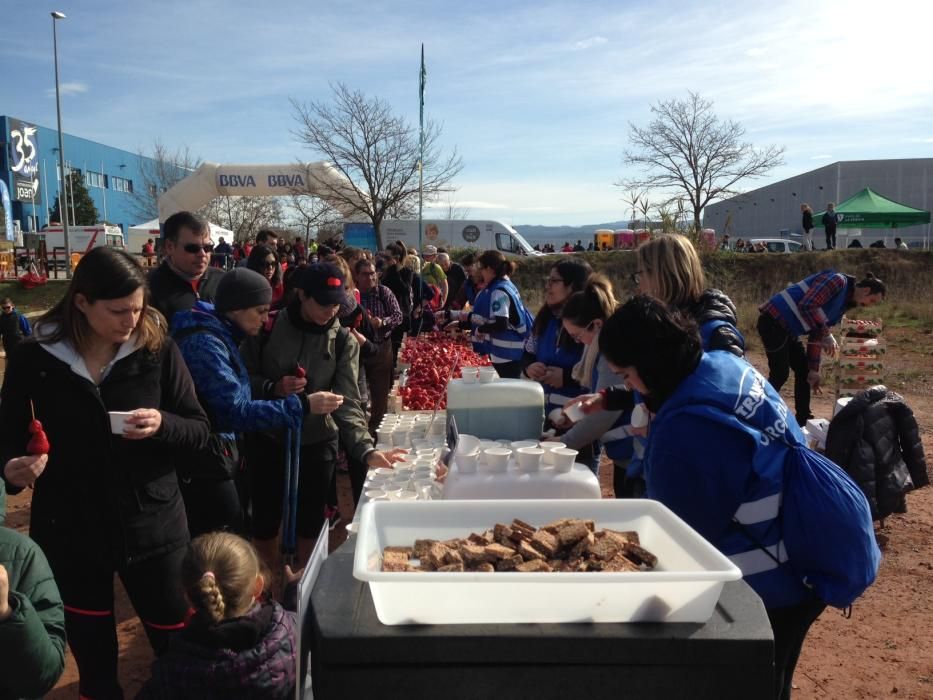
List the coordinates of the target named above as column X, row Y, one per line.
column 536, row 96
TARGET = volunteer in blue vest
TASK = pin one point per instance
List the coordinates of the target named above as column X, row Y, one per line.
column 809, row 307
column 499, row 320
column 583, row 317
column 550, row 353
column 669, row 269
column 730, row 491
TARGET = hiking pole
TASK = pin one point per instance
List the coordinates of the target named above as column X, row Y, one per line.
column 290, row 495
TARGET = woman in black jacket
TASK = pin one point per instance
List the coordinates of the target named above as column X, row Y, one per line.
column 806, row 221
column 106, row 497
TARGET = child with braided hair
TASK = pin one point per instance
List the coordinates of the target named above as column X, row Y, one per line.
column 238, row 643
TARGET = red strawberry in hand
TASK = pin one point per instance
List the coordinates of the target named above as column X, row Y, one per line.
column 300, row 372
column 35, row 427
column 38, row 443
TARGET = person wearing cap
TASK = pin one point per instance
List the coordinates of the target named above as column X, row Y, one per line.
column 208, row 337
column 306, row 338
column 432, row 273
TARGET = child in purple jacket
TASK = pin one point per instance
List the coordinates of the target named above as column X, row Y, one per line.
column 238, row 643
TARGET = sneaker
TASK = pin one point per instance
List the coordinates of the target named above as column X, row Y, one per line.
column 332, row 515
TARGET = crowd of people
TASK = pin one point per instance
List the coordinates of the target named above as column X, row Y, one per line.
column 178, row 404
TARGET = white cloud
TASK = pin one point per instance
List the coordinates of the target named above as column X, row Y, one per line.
column 756, row 51
column 72, row 88
column 822, row 156
column 589, row 43
column 477, row 204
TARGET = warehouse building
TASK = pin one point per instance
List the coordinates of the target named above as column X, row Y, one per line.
column 773, row 211
column 29, row 167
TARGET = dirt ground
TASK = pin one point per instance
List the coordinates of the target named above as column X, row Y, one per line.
column 884, row 651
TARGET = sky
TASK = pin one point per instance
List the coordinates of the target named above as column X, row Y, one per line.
column 537, row 97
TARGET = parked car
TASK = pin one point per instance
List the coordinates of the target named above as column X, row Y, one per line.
column 779, row 245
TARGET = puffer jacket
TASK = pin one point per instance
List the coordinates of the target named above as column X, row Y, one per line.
column 876, row 440
column 33, row 637
column 253, row 656
column 714, row 305
column 209, row 345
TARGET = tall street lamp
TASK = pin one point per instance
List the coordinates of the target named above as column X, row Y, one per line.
column 61, row 146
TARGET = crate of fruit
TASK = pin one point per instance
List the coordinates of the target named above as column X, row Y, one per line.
column 868, row 327
column 862, row 346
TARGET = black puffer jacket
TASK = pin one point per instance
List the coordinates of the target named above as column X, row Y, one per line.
column 713, row 305
column 875, row 438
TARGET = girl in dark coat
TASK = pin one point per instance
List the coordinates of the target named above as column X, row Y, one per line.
column 106, row 496
column 238, row 643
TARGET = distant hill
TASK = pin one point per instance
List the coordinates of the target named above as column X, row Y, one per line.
column 536, row 234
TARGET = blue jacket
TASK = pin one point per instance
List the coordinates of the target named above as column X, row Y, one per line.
column 223, row 386
column 716, row 451
column 786, row 302
column 553, row 355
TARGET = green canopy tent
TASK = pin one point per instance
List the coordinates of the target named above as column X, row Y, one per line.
column 868, row 209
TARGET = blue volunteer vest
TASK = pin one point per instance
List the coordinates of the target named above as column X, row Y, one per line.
column 728, row 390
column 553, row 356
column 786, row 302
column 507, row 345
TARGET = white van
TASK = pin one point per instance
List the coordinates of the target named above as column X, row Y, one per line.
column 82, row 238
column 779, row 245
column 445, row 233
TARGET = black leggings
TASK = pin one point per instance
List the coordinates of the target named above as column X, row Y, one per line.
column 266, row 460
column 212, row 505
column 86, row 585
column 785, row 353
column 790, row 626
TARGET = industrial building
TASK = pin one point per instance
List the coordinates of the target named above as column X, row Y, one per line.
column 773, row 211
column 29, row 167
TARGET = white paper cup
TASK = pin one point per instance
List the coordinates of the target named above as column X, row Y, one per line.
column 529, row 458
column 118, row 421
column 469, row 375
column 563, row 459
column 384, row 472
column 487, row 374
column 497, row 458
column 466, row 464
column 574, row 413
column 518, row 444
column 384, row 435
column 400, row 437
column 548, row 447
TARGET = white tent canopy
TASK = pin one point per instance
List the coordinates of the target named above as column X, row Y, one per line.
column 140, row 233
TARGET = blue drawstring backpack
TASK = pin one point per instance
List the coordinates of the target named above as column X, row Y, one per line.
column 828, row 529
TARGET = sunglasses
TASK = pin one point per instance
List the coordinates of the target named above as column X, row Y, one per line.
column 268, row 264
column 194, row 248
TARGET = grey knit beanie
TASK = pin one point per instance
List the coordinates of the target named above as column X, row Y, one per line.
column 242, row 288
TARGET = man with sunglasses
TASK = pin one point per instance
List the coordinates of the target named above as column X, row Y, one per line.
column 13, row 326
column 185, row 275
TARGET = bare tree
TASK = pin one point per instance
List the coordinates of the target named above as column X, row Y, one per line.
column 160, row 170
column 245, row 216
column 688, row 149
column 376, row 150
column 307, row 212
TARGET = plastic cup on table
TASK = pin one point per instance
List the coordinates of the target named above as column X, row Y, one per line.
column 466, row 464
column 384, row 472
column 407, row 495
column 548, row 447
column 518, row 444
column 529, row 459
column 563, row 459
column 469, row 375
column 374, row 493
column 400, row 438
column 497, row 459
column 487, row 375
column 383, row 446
column 384, row 435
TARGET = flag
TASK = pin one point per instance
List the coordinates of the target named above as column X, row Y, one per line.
column 424, row 77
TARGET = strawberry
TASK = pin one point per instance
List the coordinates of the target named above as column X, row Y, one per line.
column 38, row 443
column 300, row 372
column 35, row 427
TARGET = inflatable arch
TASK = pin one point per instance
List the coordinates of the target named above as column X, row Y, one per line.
column 211, row 180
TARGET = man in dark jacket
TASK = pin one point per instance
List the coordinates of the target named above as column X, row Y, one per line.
column 830, row 219
column 185, row 275
column 13, row 325
column 875, row 438
column 456, row 276
column 32, row 617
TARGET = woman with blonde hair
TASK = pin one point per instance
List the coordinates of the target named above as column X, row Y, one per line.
column 669, row 269
column 807, row 223
column 239, row 643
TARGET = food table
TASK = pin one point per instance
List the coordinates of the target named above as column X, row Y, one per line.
column 353, row 655
column 579, row 482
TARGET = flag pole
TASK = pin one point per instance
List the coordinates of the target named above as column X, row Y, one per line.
column 422, row 76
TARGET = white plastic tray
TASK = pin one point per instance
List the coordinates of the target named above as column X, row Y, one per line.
column 683, row 588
